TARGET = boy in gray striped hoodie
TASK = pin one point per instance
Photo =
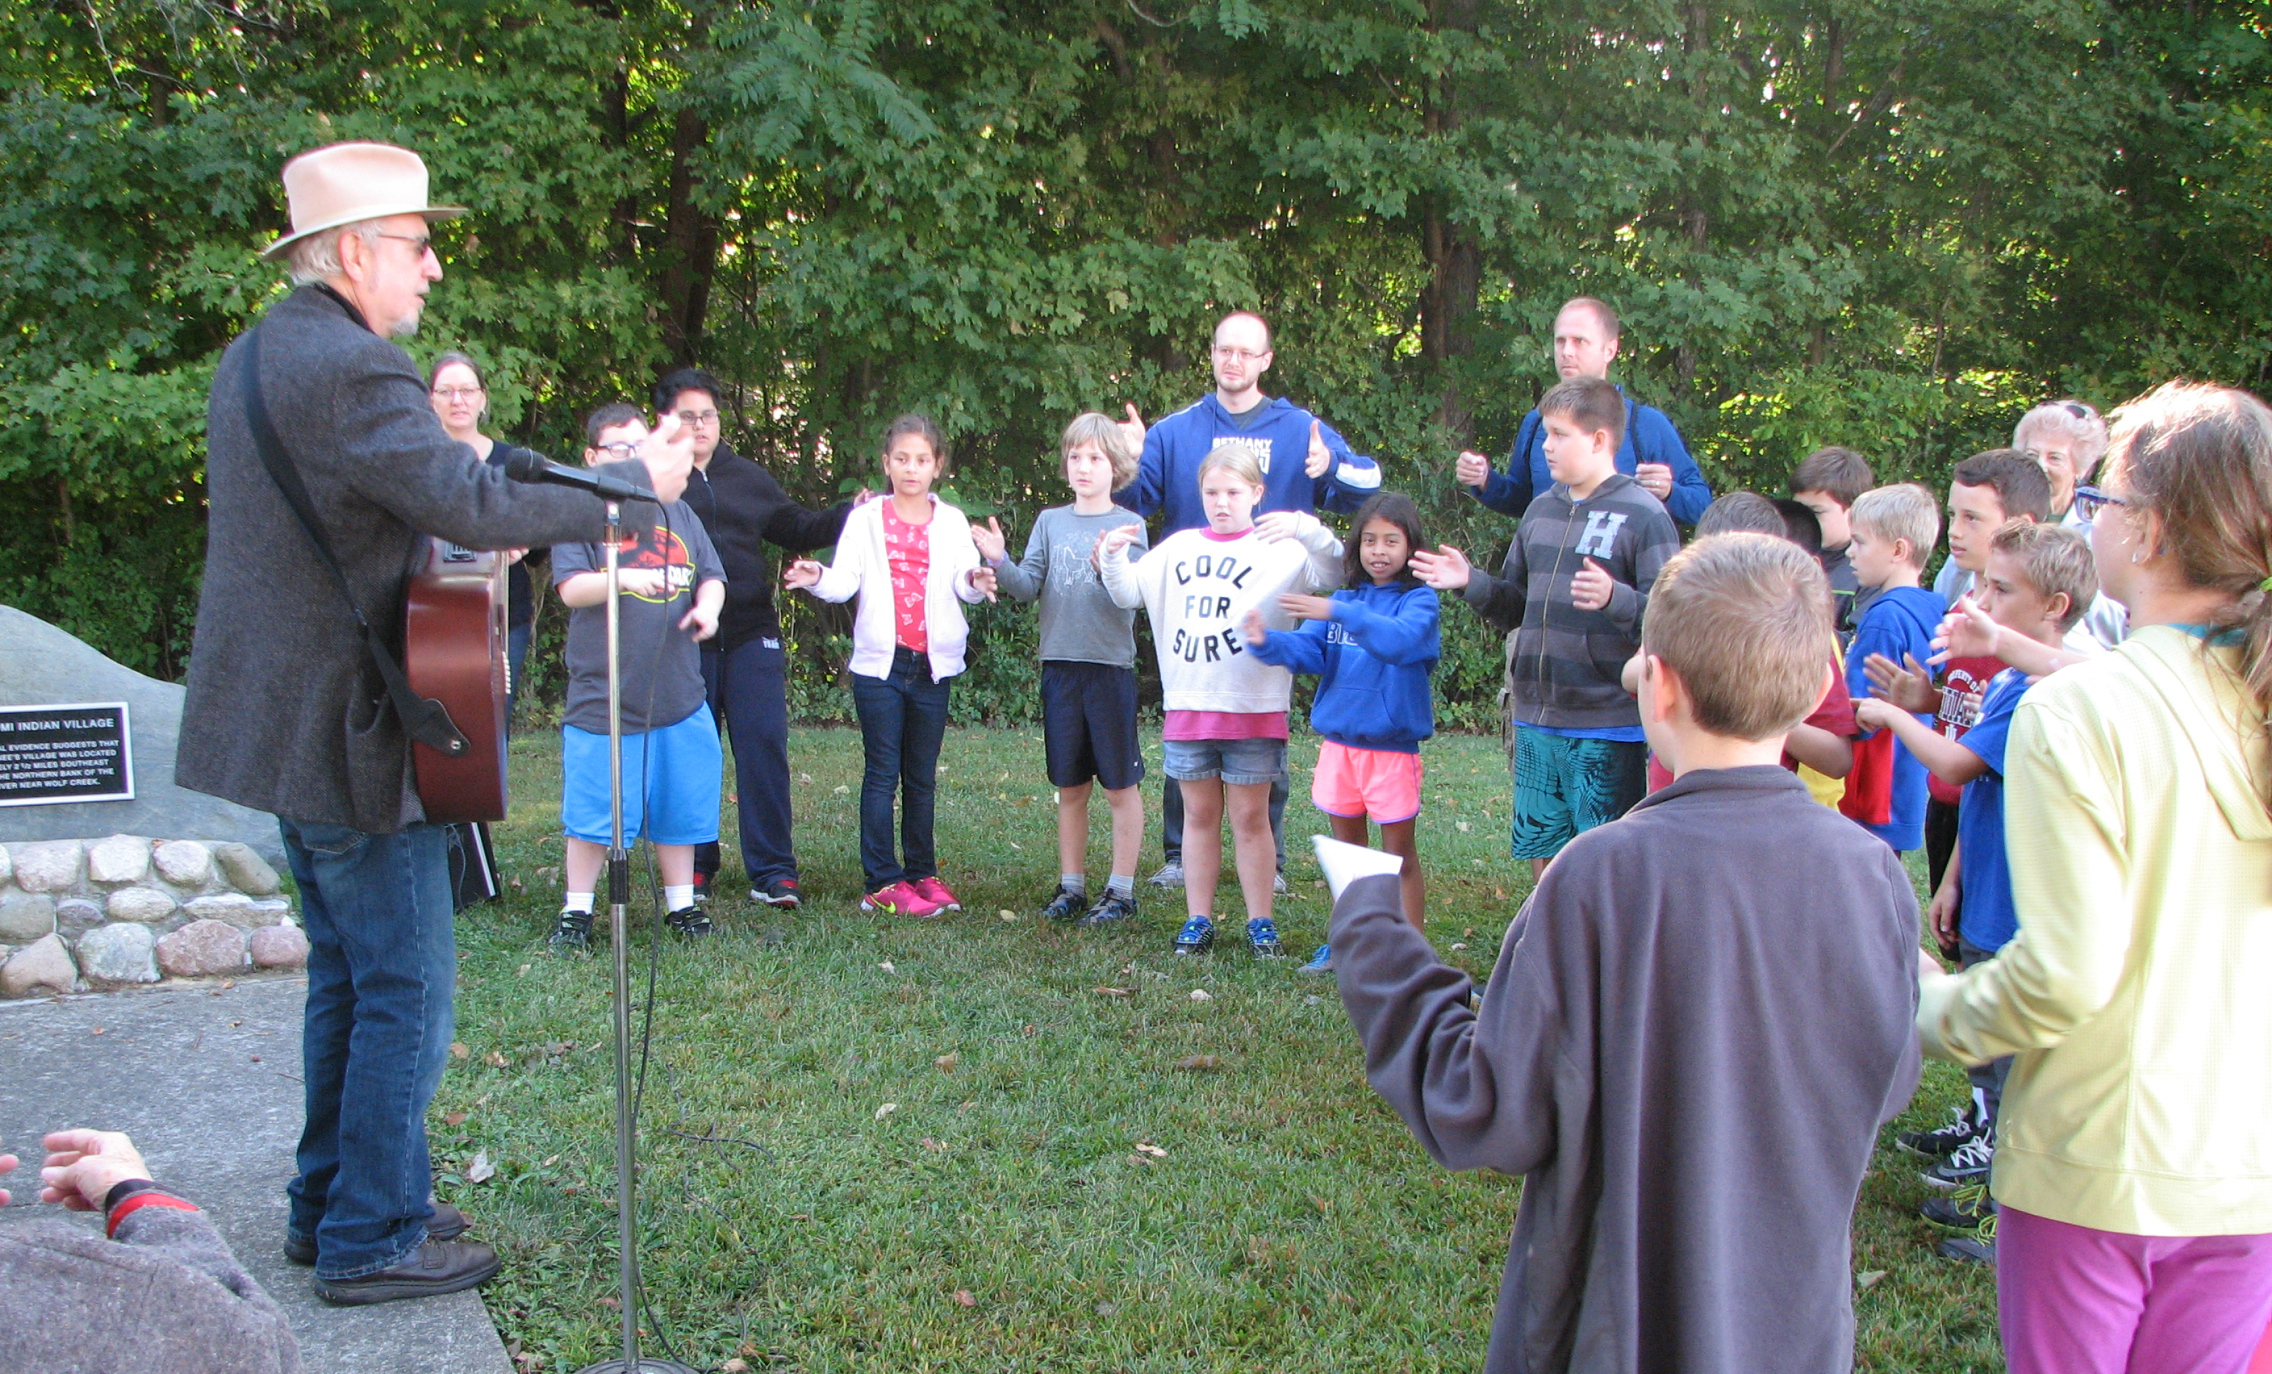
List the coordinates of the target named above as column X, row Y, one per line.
column 1574, row 585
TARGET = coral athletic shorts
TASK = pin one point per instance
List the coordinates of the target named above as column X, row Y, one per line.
column 1377, row 784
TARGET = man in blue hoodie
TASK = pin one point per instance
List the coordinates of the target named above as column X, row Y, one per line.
column 1585, row 344
column 1306, row 466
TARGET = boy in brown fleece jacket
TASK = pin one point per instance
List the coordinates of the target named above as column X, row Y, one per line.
column 1695, row 1028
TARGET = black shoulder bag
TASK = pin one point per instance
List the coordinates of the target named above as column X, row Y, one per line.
column 423, row 718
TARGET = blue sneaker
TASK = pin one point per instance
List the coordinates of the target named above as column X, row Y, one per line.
column 1262, row 938
column 1320, row 962
column 1196, row 937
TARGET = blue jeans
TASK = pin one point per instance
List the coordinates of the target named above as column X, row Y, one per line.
column 749, row 694
column 903, row 721
column 382, row 967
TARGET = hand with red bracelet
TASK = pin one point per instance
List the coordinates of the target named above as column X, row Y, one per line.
column 84, row 1165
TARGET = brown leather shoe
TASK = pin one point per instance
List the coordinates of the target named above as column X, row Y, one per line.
column 447, row 1223
column 438, row 1266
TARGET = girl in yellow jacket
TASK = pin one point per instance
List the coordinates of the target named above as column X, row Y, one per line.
column 2133, row 1176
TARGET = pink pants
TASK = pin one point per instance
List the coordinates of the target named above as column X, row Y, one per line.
column 2077, row 1301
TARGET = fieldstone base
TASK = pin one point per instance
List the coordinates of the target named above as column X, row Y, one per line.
column 124, row 909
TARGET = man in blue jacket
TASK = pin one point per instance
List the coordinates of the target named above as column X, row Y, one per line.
column 1585, row 344
column 1306, row 466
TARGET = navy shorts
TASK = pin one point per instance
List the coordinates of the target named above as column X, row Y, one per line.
column 1088, row 724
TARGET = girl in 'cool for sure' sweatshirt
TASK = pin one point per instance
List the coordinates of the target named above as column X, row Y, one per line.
column 1226, row 709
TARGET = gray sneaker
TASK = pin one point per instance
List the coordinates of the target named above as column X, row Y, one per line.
column 1278, row 884
column 1170, row 874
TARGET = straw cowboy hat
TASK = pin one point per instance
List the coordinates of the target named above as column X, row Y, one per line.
column 346, row 183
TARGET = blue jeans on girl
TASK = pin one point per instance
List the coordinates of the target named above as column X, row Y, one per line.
column 903, row 720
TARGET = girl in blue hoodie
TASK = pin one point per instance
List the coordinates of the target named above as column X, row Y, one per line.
column 1373, row 644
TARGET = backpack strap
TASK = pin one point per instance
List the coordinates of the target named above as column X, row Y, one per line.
column 423, row 718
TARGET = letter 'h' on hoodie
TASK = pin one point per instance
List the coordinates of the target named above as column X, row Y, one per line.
column 1567, row 662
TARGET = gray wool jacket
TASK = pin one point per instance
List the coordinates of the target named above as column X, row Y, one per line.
column 285, row 712
column 1687, row 1048
column 164, row 1297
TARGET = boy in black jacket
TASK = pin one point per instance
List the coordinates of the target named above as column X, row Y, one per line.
column 1676, row 979
column 1573, row 588
column 745, row 668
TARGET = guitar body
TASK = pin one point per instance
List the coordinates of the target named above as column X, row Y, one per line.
column 454, row 631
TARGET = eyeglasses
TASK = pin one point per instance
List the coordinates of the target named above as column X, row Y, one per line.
column 457, row 393
column 422, row 242
column 622, row 450
column 1232, row 355
column 2089, row 501
column 691, row 418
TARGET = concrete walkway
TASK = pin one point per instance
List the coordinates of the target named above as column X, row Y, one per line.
column 209, row 1087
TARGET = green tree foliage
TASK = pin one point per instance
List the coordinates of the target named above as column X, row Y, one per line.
column 1886, row 223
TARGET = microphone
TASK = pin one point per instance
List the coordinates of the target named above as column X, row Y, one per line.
column 525, row 466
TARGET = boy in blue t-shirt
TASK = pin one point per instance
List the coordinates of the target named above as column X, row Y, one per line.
column 1892, row 528
column 2038, row 581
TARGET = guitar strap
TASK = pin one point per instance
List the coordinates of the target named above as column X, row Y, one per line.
column 425, row 720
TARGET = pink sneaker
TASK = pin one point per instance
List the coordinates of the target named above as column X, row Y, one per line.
column 936, row 893
column 900, row 899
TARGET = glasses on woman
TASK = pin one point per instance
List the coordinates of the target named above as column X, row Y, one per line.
column 458, row 393
column 2089, row 501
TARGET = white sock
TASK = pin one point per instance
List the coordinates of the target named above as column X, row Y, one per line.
column 1074, row 882
column 1122, row 883
column 578, row 901
column 678, row 898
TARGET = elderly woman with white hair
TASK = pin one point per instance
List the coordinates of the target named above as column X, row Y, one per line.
column 2067, row 438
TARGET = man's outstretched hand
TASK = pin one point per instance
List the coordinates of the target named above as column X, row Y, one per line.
column 84, row 1165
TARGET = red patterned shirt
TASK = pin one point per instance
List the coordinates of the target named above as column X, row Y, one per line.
column 908, row 548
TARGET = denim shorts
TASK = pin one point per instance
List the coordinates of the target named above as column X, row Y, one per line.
column 1236, row 761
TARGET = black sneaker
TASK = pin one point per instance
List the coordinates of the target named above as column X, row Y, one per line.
column 779, row 892
column 1964, row 1168
column 1262, row 938
column 1111, row 907
column 690, row 922
column 1977, row 1248
column 1066, row 905
column 572, row 933
column 1962, row 1210
column 1942, row 1141
column 1196, row 937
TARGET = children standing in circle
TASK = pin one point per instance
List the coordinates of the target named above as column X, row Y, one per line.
column 908, row 558
column 1375, row 643
column 1226, row 709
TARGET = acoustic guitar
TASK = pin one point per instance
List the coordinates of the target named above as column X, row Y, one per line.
column 454, row 638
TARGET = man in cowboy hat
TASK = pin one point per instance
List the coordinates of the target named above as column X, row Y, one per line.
column 287, row 712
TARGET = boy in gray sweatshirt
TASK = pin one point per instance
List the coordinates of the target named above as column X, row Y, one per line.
column 1729, row 953
column 1088, row 665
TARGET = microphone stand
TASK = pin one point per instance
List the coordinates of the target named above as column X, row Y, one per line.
column 618, row 900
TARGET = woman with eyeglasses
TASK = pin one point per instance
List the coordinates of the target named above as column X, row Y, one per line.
column 460, row 398
column 2067, row 439
column 2133, row 1176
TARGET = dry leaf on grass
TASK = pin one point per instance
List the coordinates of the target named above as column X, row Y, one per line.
column 935, row 1146
column 453, row 1118
column 1202, row 995
column 1868, row 1278
column 459, row 1052
column 1007, row 914
column 481, row 1170
column 1147, row 1147
column 886, row 1110
column 736, row 1365
column 886, row 967
column 1110, row 992
column 964, row 1299
column 1459, row 944
column 947, row 1061
column 1200, row 1061
column 494, row 1060
column 1464, row 827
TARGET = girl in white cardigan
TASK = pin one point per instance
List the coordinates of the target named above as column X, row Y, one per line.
column 908, row 558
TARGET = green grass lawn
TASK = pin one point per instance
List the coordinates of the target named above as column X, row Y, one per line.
column 885, row 1144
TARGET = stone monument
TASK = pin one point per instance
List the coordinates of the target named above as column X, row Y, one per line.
column 43, row 665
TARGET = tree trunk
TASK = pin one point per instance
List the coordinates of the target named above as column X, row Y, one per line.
column 690, row 245
column 1455, row 259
